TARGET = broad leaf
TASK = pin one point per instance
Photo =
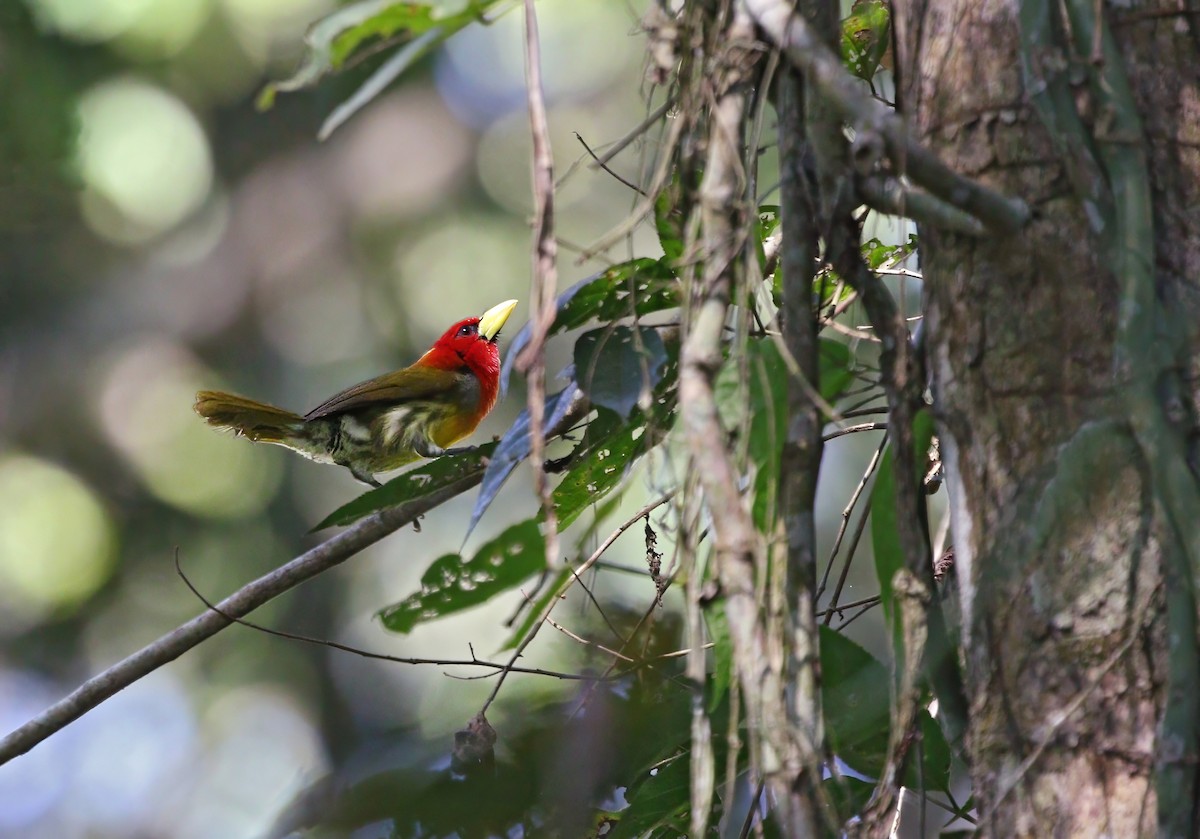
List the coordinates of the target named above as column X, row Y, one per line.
column 885, row 534
column 636, row 287
column 659, row 802
column 413, row 484
column 617, row 365
column 766, row 392
column 855, row 696
column 453, row 583
column 865, row 37
column 608, row 450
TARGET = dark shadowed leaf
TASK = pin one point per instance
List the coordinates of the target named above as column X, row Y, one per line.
column 854, row 692
column 415, row 483
column 609, row 449
column 885, row 536
column 660, row 803
column 855, row 695
column 636, row 287
column 513, row 448
column 617, row 365
column 453, row 583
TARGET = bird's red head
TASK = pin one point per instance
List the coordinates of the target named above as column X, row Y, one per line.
column 471, row 343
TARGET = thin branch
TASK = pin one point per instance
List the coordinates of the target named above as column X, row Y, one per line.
column 346, row 648
column 562, row 589
column 604, row 166
column 544, row 284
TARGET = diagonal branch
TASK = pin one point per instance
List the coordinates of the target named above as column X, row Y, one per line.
column 245, row 600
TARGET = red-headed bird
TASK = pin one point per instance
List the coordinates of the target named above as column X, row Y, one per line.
column 389, row 421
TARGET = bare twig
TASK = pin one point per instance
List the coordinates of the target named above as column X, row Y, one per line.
column 562, row 589
column 346, row 648
column 604, row 166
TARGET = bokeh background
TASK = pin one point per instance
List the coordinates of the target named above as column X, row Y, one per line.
column 157, row 236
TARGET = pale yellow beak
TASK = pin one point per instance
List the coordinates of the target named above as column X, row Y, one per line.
column 494, row 318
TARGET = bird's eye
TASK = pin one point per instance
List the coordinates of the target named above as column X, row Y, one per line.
column 467, row 330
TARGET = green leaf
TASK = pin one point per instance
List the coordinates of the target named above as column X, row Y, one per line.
column 865, row 37
column 662, row 798
column 767, row 406
column 415, row 483
column 885, row 534
column 636, row 287
column 615, row 366
column 767, row 223
column 453, row 583
column 668, row 220
column 855, row 696
column 722, row 673
column 318, row 59
column 608, row 450
column 417, row 27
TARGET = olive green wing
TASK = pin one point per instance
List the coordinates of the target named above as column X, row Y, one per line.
column 407, row 385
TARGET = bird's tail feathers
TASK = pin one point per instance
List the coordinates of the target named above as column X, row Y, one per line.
column 256, row 421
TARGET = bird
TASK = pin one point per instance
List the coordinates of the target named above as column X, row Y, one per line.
column 389, row 421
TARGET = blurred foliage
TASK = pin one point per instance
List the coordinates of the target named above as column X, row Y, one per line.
column 291, row 276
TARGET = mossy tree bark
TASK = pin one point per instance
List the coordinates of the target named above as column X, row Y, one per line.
column 1059, row 535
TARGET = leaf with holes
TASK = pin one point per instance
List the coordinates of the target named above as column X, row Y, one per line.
column 617, row 365
column 453, row 583
column 609, row 449
column 865, row 38
column 415, row 483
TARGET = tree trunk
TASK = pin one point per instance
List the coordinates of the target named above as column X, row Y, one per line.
column 1058, row 537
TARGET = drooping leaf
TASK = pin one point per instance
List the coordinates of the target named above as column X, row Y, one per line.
column 885, row 534
column 453, row 583
column 514, row 447
column 855, row 696
column 718, row 634
column 413, row 484
column 403, row 18
column 636, row 287
column 617, row 365
column 763, row 401
column 318, row 57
